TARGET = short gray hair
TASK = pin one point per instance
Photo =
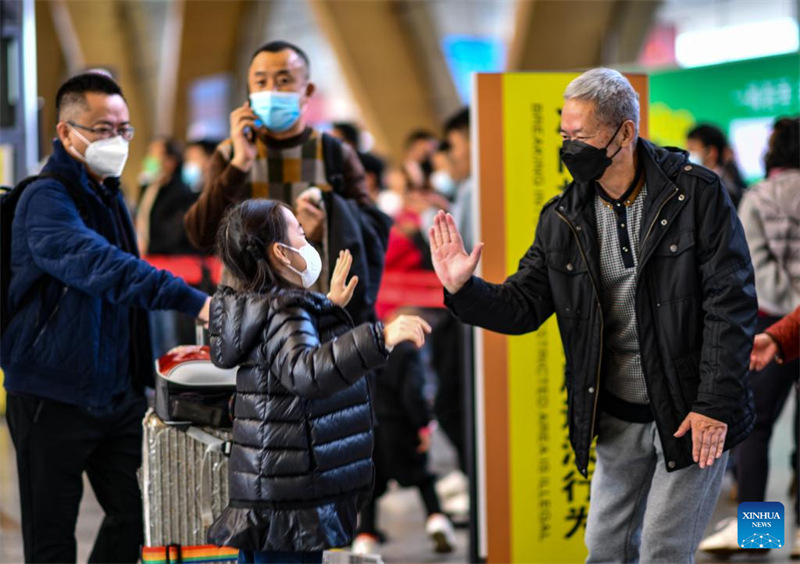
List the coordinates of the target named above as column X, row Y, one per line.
column 615, row 99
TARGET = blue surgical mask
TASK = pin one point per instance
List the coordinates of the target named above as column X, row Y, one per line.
column 443, row 183
column 696, row 158
column 192, row 175
column 278, row 110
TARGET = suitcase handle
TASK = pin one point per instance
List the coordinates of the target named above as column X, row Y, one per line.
column 199, row 333
column 178, row 555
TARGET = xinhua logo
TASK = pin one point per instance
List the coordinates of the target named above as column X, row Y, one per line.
column 761, row 525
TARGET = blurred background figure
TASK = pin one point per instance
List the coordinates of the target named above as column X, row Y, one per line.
column 391, row 200
column 196, row 160
column 348, row 133
column 708, row 146
column 163, row 201
column 374, row 166
column 450, row 340
column 402, row 442
column 441, row 178
column 770, row 215
column 420, row 146
column 457, row 133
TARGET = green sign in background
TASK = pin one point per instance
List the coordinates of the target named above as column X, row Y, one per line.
column 741, row 98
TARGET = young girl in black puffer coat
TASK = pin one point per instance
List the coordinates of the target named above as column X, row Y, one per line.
column 300, row 466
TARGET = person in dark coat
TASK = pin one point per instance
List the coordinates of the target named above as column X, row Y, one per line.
column 301, row 462
column 164, row 200
column 402, row 442
column 645, row 265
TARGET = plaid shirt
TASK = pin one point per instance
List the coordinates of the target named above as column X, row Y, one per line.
column 283, row 173
column 283, row 169
column 618, row 226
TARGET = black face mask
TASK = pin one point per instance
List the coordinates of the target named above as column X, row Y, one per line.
column 586, row 162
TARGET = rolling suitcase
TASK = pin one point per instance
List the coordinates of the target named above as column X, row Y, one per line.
column 184, row 474
column 191, row 390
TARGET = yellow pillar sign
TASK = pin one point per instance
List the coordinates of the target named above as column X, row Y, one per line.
column 535, row 500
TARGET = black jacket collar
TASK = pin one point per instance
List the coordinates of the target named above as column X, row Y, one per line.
column 660, row 165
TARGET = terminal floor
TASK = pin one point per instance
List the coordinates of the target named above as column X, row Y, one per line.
column 401, row 512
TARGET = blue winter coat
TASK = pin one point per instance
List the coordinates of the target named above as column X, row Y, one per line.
column 70, row 341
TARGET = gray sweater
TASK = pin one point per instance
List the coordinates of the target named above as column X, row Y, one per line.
column 770, row 215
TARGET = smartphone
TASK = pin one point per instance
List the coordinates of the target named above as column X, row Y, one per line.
column 250, row 133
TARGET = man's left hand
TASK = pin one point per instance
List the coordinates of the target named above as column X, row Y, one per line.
column 708, row 437
column 311, row 218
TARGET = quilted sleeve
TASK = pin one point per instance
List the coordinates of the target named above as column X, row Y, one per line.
column 313, row 369
column 63, row 246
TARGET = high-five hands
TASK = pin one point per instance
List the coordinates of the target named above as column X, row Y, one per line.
column 342, row 291
column 452, row 264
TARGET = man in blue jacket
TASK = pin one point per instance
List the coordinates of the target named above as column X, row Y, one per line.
column 76, row 353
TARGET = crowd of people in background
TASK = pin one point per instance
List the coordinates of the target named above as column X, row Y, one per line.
column 344, row 210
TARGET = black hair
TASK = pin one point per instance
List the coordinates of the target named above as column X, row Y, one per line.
column 784, row 144
column 278, row 46
column 245, row 235
column 74, row 90
column 349, row 131
column 710, row 136
column 419, row 135
column 459, row 121
column 207, row 145
column 174, row 150
column 374, row 165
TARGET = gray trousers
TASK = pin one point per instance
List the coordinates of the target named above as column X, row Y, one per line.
column 639, row 512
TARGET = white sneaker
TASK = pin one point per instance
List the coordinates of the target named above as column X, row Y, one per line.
column 452, row 484
column 724, row 541
column 364, row 544
column 440, row 530
column 457, row 506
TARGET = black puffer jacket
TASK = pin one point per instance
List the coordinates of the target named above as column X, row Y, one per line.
column 695, row 302
column 300, row 466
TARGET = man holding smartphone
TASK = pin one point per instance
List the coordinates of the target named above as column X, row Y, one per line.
column 272, row 153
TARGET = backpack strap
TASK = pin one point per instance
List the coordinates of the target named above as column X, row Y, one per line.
column 41, row 283
column 75, row 192
column 334, row 162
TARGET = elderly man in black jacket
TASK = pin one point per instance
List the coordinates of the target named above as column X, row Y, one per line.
column 645, row 264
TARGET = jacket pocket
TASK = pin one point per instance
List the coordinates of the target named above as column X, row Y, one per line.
column 49, row 320
column 675, row 265
column 570, row 285
column 688, row 375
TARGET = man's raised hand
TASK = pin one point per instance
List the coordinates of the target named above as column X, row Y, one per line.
column 452, row 264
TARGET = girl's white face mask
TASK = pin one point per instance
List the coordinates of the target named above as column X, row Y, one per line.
column 105, row 157
column 313, row 264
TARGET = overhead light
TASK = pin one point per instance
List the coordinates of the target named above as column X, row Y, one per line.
column 736, row 42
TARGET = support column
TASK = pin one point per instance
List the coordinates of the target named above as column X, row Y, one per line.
column 382, row 67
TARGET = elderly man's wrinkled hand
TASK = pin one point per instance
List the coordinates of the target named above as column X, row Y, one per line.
column 708, row 438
